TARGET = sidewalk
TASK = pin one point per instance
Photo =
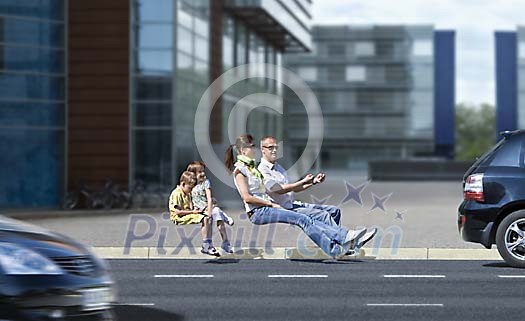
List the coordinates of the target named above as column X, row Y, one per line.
column 415, row 220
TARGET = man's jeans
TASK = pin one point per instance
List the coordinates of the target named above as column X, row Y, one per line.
column 328, row 214
column 327, row 237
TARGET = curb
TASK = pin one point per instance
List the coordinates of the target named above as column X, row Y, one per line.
column 284, row 253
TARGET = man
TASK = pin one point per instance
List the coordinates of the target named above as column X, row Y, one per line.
column 278, row 184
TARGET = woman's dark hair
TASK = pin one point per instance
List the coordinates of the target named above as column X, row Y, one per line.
column 229, row 158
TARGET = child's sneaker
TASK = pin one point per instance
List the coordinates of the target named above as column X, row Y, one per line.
column 209, row 249
column 227, row 219
column 227, row 247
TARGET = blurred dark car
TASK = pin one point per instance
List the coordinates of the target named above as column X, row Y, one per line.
column 493, row 209
column 47, row 276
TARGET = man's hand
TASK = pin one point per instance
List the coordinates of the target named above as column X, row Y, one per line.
column 307, row 179
column 319, row 178
column 275, row 205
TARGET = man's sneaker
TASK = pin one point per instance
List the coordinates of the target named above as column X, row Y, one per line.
column 353, row 236
column 226, row 247
column 362, row 241
column 227, row 219
column 351, row 239
column 366, row 238
column 338, row 251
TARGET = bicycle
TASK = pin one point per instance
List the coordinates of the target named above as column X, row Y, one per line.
column 92, row 199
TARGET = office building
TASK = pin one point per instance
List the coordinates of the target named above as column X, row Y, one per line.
column 96, row 90
column 386, row 92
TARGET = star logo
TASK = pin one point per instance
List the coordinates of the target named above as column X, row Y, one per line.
column 399, row 216
column 354, row 193
column 321, row 201
column 379, row 202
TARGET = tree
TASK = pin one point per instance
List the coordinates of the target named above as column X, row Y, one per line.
column 475, row 130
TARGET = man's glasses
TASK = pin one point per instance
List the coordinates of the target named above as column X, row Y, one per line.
column 271, row 147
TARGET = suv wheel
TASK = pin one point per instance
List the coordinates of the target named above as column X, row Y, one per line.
column 510, row 239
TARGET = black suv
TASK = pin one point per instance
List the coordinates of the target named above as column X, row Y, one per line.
column 493, row 209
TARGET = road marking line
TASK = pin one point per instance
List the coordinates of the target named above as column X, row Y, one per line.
column 135, row 304
column 413, row 276
column 297, row 276
column 403, row 305
column 184, row 276
column 512, row 276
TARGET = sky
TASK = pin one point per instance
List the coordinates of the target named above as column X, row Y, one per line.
column 474, row 21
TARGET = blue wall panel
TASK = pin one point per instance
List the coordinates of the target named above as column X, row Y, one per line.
column 444, row 94
column 506, row 82
column 31, row 166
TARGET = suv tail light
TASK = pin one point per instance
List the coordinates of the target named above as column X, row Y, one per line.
column 474, row 188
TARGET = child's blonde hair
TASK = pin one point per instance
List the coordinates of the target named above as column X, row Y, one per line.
column 188, row 178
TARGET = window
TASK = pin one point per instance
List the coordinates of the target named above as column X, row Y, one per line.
column 19, row 31
column 184, row 40
column 31, row 59
column 240, row 40
column 202, row 27
column 364, row 48
column 521, row 50
column 314, row 51
column 307, row 73
column 355, row 73
column 155, row 36
column 184, row 15
column 336, row 50
column 385, row 48
column 202, row 48
column 153, row 114
column 336, row 73
column 509, row 154
column 2, row 63
column 227, row 43
column 422, row 48
column 160, row 10
column 155, row 61
column 41, row 9
column 153, row 88
column 252, row 53
column 152, row 156
column 184, row 62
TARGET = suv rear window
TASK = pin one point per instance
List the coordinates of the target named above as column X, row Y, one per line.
column 506, row 154
column 485, row 159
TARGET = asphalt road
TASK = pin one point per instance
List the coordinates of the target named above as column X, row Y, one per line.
column 317, row 290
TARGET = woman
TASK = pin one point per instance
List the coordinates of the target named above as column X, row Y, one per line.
column 261, row 209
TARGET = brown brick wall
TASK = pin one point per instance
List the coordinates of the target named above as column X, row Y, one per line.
column 98, row 91
column 216, row 8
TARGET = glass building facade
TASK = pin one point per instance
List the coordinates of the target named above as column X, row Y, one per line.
column 172, row 67
column 55, row 137
column 169, row 72
column 244, row 46
column 32, row 102
column 375, row 86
